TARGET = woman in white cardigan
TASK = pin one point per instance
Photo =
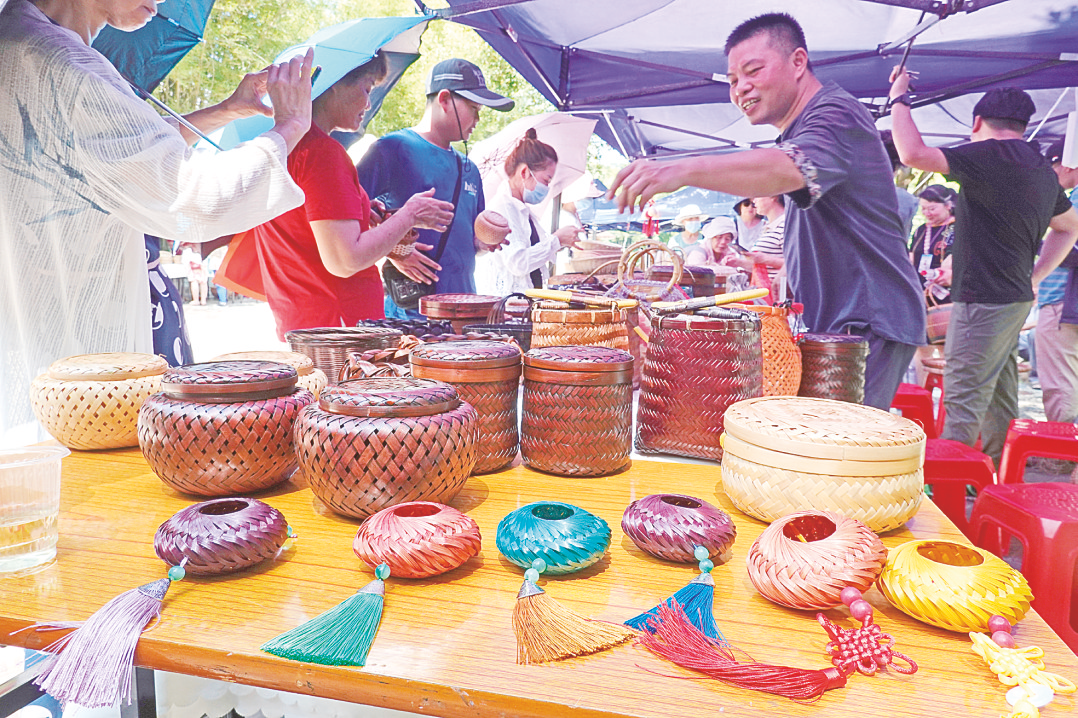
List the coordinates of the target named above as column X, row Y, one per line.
column 523, row 262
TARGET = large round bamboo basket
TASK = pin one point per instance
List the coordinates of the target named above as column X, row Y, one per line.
column 787, row 454
column 92, row 401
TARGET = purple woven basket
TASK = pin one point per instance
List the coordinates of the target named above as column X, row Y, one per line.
column 671, row 526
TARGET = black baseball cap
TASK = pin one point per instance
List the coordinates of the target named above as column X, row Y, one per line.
column 465, row 79
column 1005, row 103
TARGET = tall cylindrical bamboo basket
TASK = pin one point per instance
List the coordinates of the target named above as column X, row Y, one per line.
column 833, row 367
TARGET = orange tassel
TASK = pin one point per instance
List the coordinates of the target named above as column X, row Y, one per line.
column 547, row 631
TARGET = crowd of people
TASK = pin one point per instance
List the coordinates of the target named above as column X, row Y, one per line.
column 82, row 155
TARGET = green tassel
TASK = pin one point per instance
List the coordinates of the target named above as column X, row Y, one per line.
column 342, row 636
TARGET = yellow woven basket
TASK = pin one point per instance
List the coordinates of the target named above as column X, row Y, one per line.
column 311, row 377
column 952, row 585
column 91, row 401
column 786, row 454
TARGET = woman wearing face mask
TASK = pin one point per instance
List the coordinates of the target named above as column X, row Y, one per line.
column 691, row 220
column 523, row 262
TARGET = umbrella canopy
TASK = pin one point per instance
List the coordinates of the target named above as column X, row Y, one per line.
column 654, row 70
column 337, row 51
column 148, row 54
column 568, row 135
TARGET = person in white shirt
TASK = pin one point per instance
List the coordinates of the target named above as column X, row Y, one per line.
column 523, row 262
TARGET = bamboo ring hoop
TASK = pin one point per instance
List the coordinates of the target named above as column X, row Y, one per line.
column 566, row 537
column 417, row 539
column 638, row 253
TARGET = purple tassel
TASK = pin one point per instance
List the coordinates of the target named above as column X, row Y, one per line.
column 92, row 666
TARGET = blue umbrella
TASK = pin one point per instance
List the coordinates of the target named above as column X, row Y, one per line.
column 337, row 51
column 148, row 54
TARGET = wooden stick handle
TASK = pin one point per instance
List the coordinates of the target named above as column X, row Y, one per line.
column 718, row 300
column 567, row 296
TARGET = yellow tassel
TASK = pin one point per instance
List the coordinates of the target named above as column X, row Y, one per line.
column 1022, row 709
column 547, row 631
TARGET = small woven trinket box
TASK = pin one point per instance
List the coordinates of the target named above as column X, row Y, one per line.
column 458, row 309
column 371, row 443
column 223, row 428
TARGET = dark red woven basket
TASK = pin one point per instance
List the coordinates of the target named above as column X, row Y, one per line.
column 486, row 375
column 833, row 367
column 577, row 418
column 372, row 443
column 695, row 368
column 223, row 428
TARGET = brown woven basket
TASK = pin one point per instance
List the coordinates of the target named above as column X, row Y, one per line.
column 560, row 324
column 833, row 367
column 577, row 418
column 310, row 377
column 486, row 375
column 695, row 368
column 223, row 428
column 92, row 401
column 458, row 309
column 372, row 443
column 782, row 358
column 329, row 347
column 700, row 281
column 786, row 454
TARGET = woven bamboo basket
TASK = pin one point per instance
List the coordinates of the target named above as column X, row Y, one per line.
column 561, row 324
column 782, row 358
column 310, row 377
column 695, row 368
column 372, row 443
column 92, row 401
column 329, row 347
column 458, row 309
column 787, row 454
column 577, row 418
column 833, row 367
column 223, row 428
column 487, row 376
column 938, row 318
column 698, row 281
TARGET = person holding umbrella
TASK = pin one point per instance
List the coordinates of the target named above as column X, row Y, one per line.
column 523, row 263
column 86, row 169
column 317, row 261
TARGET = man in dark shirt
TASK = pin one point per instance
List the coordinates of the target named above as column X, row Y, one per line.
column 845, row 251
column 1009, row 197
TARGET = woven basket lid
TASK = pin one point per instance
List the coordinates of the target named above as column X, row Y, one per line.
column 110, row 366
column 837, row 342
column 457, row 305
column 230, row 380
column 691, row 273
column 475, row 354
column 302, row 363
column 579, row 358
column 389, row 397
column 564, row 313
column 823, row 429
column 731, row 320
column 342, row 336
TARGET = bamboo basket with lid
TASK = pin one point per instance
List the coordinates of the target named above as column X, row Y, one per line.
column 309, row 377
column 372, row 443
column 458, row 309
column 485, row 374
column 329, row 347
column 223, row 428
column 787, row 454
column 92, row 401
column 577, row 410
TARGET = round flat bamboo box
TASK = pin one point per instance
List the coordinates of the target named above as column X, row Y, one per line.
column 786, row 454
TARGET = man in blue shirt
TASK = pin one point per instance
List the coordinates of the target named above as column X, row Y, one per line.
column 419, row 158
column 845, row 254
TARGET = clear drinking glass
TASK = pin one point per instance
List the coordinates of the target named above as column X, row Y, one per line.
column 29, row 506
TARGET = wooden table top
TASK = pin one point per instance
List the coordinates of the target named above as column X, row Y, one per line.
column 446, row 645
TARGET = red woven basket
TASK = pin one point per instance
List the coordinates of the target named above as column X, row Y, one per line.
column 833, row 367
column 372, row 443
column 695, row 368
column 223, row 428
column 459, row 309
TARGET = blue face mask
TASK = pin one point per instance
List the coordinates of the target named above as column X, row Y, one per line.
column 536, row 194
column 693, row 226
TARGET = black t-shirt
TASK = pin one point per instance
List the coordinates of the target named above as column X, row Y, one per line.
column 1009, row 195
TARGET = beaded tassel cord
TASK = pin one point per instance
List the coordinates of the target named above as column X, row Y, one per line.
column 696, row 600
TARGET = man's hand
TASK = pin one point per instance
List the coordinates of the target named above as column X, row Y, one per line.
column 900, row 81
column 568, row 235
column 247, row 98
column 642, row 180
column 425, row 212
column 418, row 266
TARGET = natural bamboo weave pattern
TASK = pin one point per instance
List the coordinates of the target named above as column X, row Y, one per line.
column 833, row 367
column 695, row 368
column 781, row 356
column 576, row 430
column 358, row 465
column 417, row 539
column 555, row 324
column 92, row 401
column 805, row 559
column 329, row 347
column 310, row 378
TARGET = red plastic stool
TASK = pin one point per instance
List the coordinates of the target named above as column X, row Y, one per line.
column 1026, row 438
column 1044, row 518
column 916, row 405
column 935, row 367
column 951, row 466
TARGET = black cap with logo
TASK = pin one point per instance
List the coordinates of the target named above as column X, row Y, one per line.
column 465, row 79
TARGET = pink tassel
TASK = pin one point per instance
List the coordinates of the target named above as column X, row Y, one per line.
column 673, row 637
column 92, row 665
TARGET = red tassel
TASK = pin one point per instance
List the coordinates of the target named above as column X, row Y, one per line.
column 674, row 638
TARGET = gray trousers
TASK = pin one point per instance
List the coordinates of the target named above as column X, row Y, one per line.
column 981, row 380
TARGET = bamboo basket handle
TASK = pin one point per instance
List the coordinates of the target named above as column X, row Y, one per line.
column 635, row 252
column 595, row 271
column 497, row 312
column 930, row 300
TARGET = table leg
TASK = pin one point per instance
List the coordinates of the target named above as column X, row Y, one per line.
column 19, row 697
column 145, row 696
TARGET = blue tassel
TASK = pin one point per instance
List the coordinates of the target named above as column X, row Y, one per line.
column 695, row 600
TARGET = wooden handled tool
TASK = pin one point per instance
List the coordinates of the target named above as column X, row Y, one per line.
column 567, row 296
column 718, row 300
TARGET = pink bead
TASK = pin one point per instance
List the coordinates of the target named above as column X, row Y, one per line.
column 861, row 609
column 999, row 623
column 1003, row 639
column 849, row 595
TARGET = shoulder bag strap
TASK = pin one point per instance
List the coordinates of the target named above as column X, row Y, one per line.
column 456, row 196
